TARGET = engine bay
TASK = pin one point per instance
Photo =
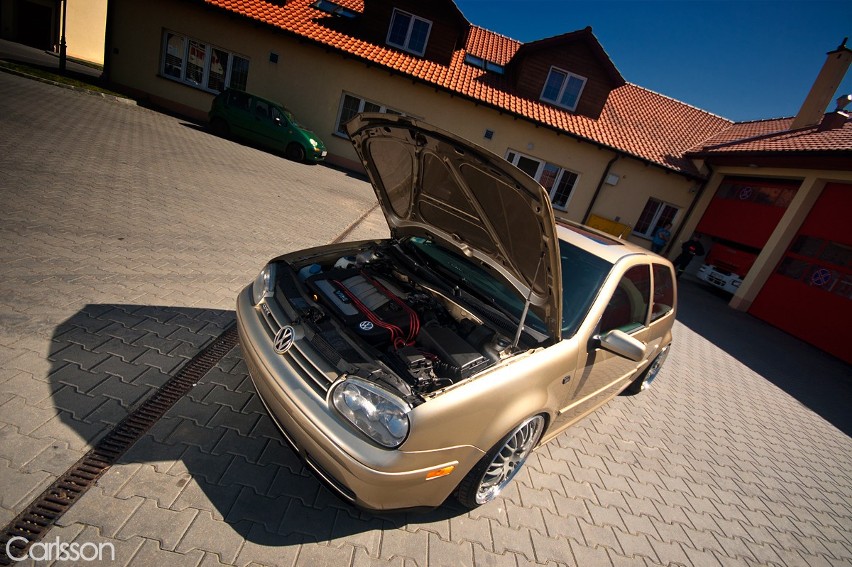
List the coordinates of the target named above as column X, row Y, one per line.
column 424, row 336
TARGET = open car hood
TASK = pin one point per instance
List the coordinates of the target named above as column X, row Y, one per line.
column 433, row 184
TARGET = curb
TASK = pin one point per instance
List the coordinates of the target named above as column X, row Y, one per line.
column 120, row 99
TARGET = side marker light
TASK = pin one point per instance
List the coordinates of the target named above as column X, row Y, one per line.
column 438, row 473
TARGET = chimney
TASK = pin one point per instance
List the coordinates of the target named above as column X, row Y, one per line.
column 826, row 84
column 838, row 118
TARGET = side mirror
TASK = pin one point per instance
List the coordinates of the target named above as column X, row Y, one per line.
column 623, row 344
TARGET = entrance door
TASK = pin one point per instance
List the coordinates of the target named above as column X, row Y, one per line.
column 35, row 25
column 810, row 293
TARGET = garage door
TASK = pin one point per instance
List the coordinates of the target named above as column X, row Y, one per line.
column 810, row 293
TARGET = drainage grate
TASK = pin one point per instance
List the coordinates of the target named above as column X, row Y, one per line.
column 33, row 523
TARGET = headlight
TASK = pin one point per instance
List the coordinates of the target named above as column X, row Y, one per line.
column 378, row 414
column 264, row 284
column 313, row 142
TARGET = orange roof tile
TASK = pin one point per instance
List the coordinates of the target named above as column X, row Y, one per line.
column 635, row 121
column 491, row 46
column 774, row 136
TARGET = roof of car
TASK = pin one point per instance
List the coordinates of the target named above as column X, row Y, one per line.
column 601, row 244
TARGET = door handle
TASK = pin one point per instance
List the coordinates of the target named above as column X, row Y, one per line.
column 566, row 379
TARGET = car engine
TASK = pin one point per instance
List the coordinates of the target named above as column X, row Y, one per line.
column 425, row 337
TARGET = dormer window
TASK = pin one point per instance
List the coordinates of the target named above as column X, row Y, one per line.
column 334, row 9
column 481, row 63
column 563, row 88
column 408, row 32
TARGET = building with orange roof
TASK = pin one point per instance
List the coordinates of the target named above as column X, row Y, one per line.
column 611, row 153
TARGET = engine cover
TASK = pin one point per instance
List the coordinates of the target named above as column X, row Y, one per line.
column 336, row 288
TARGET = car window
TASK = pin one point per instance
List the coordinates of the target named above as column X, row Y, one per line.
column 627, row 309
column 582, row 276
column 663, row 291
column 261, row 110
column 238, row 100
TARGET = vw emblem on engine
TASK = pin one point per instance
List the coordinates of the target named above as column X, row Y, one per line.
column 366, row 326
column 284, row 339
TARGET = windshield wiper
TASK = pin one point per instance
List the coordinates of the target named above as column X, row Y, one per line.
column 423, row 269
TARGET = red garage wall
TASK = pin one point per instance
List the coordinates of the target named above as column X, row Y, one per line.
column 810, row 293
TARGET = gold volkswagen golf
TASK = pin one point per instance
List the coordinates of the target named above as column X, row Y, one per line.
column 432, row 363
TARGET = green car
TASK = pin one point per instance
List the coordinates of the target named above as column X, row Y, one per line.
column 265, row 123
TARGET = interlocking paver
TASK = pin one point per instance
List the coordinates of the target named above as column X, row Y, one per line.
column 326, row 555
column 150, row 553
column 125, row 239
column 401, row 543
column 105, row 512
column 465, row 528
column 482, row 556
column 152, row 522
column 449, row 554
column 208, row 534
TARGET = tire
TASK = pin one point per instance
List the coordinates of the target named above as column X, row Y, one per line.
column 500, row 465
column 220, row 128
column 644, row 380
column 295, row 152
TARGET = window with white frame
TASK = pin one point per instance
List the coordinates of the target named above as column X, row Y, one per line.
column 656, row 214
column 558, row 181
column 409, row 32
column 563, row 88
column 350, row 105
column 202, row 65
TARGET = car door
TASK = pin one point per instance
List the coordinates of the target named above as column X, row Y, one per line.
column 662, row 309
column 239, row 112
column 261, row 126
column 271, row 126
column 600, row 373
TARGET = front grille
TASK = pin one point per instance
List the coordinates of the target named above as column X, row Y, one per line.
column 299, row 355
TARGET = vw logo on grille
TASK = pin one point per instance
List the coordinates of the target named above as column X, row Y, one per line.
column 284, row 339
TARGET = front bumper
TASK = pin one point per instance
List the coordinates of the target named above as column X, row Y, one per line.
column 356, row 469
column 316, row 156
column 729, row 283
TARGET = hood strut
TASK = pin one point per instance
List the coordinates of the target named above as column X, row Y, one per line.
column 527, row 303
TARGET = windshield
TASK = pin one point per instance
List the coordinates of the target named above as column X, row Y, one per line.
column 292, row 118
column 582, row 276
column 477, row 281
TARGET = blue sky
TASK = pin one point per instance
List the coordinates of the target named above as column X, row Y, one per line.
column 743, row 60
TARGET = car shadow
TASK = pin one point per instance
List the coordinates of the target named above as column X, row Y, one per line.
column 816, row 379
column 216, row 449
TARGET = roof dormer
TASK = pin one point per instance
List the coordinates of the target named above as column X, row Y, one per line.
column 569, row 71
column 431, row 30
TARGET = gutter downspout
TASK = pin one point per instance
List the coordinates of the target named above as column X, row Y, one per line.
column 600, row 186
column 691, row 208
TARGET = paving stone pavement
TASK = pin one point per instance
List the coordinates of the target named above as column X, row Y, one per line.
column 125, row 236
